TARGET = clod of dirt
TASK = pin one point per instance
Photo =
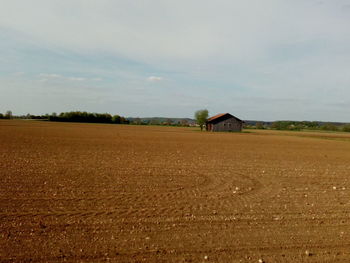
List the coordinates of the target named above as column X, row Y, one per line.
column 308, row 253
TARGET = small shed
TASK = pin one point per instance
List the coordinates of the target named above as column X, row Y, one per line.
column 224, row 122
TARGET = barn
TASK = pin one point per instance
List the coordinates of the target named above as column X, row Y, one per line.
column 224, row 122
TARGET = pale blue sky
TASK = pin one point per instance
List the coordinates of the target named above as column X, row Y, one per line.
column 265, row 60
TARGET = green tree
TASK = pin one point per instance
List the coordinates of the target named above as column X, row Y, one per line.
column 116, row 119
column 346, row 128
column 124, row 120
column 201, row 117
column 329, row 127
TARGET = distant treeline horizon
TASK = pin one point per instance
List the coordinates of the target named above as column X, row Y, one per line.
column 298, row 125
column 89, row 117
column 71, row 116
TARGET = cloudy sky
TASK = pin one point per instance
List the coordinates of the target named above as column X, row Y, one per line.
column 265, row 60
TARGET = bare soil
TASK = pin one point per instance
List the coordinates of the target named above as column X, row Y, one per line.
column 95, row 193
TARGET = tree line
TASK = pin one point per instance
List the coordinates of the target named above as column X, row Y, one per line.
column 7, row 115
column 72, row 116
column 83, row 116
column 181, row 122
column 300, row 125
column 200, row 117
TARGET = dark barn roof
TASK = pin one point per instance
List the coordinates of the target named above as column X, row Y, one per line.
column 221, row 116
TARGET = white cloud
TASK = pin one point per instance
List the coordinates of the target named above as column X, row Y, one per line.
column 19, row 73
column 50, row 75
column 154, row 78
column 76, row 78
column 43, row 77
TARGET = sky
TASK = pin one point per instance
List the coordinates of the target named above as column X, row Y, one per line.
column 258, row 60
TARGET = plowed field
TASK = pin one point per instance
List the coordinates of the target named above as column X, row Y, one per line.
column 94, row 193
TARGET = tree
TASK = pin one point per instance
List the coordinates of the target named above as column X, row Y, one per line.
column 201, row 117
column 168, row 122
column 346, row 128
column 329, row 127
column 124, row 120
column 259, row 125
column 184, row 123
column 137, row 121
column 154, row 122
column 8, row 114
column 116, row 119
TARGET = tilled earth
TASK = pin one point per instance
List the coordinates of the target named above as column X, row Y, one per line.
column 94, row 193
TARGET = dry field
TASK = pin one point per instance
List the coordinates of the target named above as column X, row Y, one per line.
column 94, row 193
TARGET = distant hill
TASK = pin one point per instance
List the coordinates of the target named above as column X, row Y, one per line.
column 162, row 120
column 269, row 123
column 253, row 122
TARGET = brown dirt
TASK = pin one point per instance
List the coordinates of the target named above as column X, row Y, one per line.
column 95, row 193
